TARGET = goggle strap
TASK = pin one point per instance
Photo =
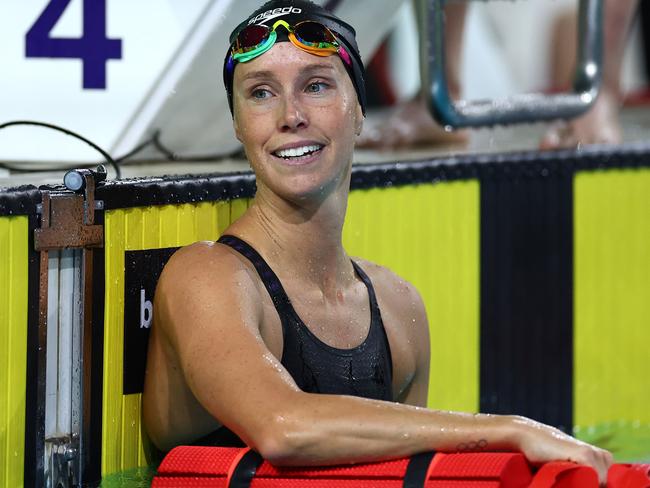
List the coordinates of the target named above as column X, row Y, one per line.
column 345, row 56
column 283, row 24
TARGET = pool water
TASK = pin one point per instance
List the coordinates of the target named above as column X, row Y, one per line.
column 132, row 478
column 628, row 441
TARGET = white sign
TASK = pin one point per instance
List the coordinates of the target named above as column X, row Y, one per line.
column 86, row 65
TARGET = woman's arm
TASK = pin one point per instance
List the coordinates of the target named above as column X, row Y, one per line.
column 210, row 310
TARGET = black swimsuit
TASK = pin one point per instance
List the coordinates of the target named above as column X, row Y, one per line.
column 365, row 370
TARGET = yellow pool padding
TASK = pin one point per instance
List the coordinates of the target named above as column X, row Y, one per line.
column 14, row 247
column 429, row 235
column 612, row 297
column 130, row 230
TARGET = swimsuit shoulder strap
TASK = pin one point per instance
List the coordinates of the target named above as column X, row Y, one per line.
column 366, row 281
column 268, row 277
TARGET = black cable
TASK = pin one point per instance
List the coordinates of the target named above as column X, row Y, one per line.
column 108, row 158
column 154, row 141
column 172, row 156
column 18, row 169
column 159, row 145
column 140, row 147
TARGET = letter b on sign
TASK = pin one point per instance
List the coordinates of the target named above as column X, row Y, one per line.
column 146, row 311
column 141, row 272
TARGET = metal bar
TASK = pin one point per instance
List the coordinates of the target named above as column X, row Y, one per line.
column 86, row 433
column 67, row 311
column 86, row 362
column 77, row 352
column 531, row 107
column 52, row 363
column 38, row 443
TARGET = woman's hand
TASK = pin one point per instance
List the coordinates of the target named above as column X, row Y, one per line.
column 541, row 443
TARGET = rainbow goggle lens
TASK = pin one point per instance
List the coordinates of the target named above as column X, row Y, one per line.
column 312, row 37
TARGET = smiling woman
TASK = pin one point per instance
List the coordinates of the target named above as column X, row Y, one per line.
column 297, row 124
column 274, row 336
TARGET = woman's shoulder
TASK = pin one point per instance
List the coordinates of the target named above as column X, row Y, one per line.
column 392, row 290
column 203, row 268
column 204, row 257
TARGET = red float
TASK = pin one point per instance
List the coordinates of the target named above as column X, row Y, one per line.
column 225, row 467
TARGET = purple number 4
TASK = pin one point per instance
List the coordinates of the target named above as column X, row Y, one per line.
column 93, row 47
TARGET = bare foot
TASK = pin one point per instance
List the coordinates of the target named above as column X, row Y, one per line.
column 408, row 125
column 600, row 125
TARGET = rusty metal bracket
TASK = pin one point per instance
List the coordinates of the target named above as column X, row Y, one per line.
column 68, row 219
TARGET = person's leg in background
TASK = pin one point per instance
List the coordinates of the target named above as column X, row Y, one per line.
column 410, row 123
column 600, row 125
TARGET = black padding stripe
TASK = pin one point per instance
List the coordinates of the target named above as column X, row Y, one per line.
column 92, row 450
column 21, row 200
column 34, row 414
column 169, row 190
column 526, row 355
column 245, row 470
column 416, row 471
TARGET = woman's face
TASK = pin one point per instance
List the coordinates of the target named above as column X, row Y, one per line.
column 297, row 116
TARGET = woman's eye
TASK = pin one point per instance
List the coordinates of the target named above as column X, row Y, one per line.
column 260, row 94
column 317, row 87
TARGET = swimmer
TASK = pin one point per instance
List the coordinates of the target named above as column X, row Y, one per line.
column 274, row 336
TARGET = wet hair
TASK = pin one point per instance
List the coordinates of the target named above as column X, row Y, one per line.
column 294, row 11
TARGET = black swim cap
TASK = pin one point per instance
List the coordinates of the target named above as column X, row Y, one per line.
column 292, row 12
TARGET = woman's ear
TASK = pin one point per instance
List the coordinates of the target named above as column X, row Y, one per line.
column 359, row 120
column 235, row 126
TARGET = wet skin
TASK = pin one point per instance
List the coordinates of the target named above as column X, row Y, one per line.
column 216, row 343
column 295, row 222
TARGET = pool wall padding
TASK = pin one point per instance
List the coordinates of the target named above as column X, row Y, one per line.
column 13, row 347
column 612, row 297
column 21, row 419
column 138, row 229
column 534, row 269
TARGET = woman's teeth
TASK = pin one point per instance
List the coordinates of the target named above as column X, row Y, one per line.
column 296, row 152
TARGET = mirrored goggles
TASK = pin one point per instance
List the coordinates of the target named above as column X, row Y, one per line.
column 310, row 36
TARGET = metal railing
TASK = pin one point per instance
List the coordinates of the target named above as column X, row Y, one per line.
column 529, row 107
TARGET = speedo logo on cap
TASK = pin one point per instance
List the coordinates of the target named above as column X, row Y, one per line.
column 272, row 14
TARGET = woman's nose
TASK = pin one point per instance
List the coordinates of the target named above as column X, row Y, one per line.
column 293, row 116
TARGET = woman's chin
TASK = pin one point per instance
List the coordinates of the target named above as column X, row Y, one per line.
column 302, row 192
